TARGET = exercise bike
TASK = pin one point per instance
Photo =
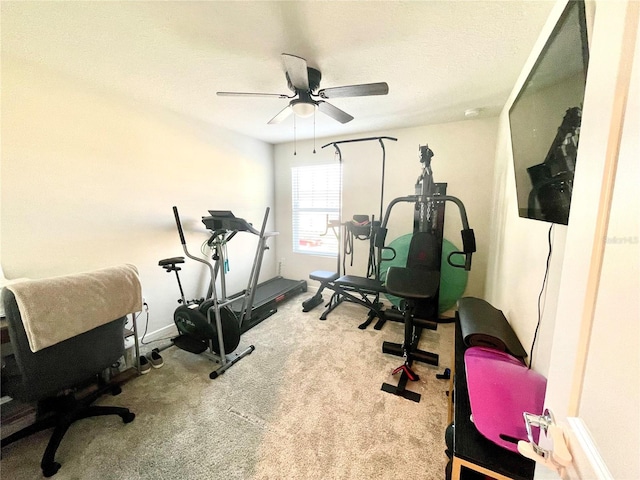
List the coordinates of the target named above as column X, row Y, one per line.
column 209, row 325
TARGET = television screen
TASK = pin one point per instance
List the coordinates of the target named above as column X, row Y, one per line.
column 545, row 120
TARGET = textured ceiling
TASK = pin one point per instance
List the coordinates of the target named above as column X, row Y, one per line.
column 438, row 57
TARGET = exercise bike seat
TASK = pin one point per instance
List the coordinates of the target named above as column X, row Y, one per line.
column 414, row 283
column 169, row 264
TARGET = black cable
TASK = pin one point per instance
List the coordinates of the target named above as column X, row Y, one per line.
column 544, row 284
column 347, row 247
column 372, row 266
column 146, row 326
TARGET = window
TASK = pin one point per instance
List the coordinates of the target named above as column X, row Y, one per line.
column 315, row 202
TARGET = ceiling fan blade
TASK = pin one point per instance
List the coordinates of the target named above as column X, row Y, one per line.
column 249, row 94
column 355, row 90
column 296, row 68
column 334, row 112
column 282, row 115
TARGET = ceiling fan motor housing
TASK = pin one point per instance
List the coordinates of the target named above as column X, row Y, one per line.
column 314, row 80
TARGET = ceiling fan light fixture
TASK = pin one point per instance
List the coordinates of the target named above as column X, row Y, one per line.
column 303, row 109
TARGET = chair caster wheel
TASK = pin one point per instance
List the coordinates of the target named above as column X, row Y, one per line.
column 51, row 469
column 116, row 390
column 128, row 417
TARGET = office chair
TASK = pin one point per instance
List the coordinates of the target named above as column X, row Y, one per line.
column 54, row 376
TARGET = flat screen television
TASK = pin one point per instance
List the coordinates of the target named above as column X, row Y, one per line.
column 545, row 120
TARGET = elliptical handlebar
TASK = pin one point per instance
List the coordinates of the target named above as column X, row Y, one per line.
column 179, row 225
column 250, row 292
column 192, row 257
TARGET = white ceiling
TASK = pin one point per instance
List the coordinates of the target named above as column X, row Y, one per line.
column 438, row 57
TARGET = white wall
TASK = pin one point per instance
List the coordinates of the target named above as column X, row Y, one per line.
column 517, row 258
column 595, row 364
column 519, row 247
column 609, row 402
column 613, row 363
column 464, row 155
column 89, row 178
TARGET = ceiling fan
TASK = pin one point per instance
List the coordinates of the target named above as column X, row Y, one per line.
column 304, row 82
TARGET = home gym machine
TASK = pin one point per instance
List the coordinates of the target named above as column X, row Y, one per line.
column 213, row 325
column 364, row 291
column 418, row 282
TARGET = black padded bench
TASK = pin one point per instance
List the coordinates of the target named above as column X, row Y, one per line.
column 360, row 284
column 471, row 454
column 323, row 276
column 350, row 288
column 326, row 279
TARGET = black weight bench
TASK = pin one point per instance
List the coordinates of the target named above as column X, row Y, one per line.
column 350, row 288
column 326, row 279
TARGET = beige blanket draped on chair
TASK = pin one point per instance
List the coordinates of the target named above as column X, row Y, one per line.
column 58, row 308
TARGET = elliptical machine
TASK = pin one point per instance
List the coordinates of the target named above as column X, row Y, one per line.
column 208, row 325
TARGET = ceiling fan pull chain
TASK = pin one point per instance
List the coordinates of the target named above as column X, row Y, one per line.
column 314, row 131
column 295, row 149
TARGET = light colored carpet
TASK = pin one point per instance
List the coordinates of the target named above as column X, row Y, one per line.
column 306, row 404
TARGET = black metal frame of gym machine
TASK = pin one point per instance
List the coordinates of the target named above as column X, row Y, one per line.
column 384, row 156
column 427, row 202
column 431, row 195
column 345, row 293
column 344, row 287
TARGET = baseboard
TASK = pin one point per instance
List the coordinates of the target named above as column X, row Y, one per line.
column 153, row 339
column 312, row 289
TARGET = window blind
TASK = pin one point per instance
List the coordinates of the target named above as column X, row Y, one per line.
column 315, row 202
